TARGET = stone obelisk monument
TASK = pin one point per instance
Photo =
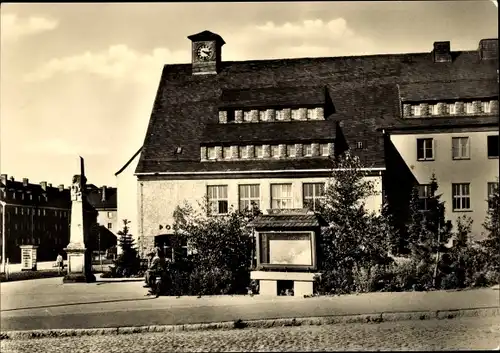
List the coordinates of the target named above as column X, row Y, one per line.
column 79, row 261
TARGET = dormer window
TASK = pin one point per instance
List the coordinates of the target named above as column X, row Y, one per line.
column 280, row 115
column 290, row 150
column 226, row 152
column 311, row 114
column 242, row 152
column 211, row 153
column 295, row 113
column 275, row 151
column 433, row 109
column 324, row 150
column 469, row 108
column 415, row 110
column 451, row 109
column 247, row 115
column 262, row 115
column 259, row 151
column 307, row 150
column 486, row 107
column 230, row 116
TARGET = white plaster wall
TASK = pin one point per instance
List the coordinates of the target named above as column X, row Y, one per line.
column 103, row 219
column 478, row 170
column 160, row 197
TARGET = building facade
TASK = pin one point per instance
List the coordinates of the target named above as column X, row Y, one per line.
column 266, row 131
column 33, row 214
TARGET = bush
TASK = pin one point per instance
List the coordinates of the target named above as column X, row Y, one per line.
column 25, row 275
column 210, row 281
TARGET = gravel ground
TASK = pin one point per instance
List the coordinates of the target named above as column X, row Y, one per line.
column 464, row 333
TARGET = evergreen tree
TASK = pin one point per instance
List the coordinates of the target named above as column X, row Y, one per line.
column 492, row 225
column 128, row 262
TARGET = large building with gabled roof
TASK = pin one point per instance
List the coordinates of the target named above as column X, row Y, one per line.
column 265, row 131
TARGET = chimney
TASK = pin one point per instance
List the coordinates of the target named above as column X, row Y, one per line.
column 12, row 178
column 49, row 185
column 3, row 178
column 43, row 184
column 25, row 181
column 103, row 197
column 488, row 49
column 442, row 52
column 61, row 187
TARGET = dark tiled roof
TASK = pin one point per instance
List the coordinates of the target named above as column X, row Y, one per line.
column 128, row 162
column 435, row 91
column 287, row 221
column 442, row 122
column 34, row 195
column 272, row 97
column 363, row 90
column 95, row 198
column 266, row 132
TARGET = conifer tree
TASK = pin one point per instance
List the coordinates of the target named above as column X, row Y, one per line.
column 128, row 262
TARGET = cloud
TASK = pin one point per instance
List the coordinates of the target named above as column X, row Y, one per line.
column 308, row 38
column 13, row 27
column 117, row 62
column 58, row 146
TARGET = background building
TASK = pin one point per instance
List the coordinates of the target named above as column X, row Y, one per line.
column 266, row 131
column 34, row 214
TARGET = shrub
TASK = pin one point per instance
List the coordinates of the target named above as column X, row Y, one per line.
column 210, row 281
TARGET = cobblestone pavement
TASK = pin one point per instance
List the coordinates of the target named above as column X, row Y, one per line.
column 464, row 333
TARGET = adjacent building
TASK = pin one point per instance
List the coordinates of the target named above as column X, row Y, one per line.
column 266, row 131
column 33, row 214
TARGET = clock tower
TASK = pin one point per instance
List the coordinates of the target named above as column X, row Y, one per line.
column 206, row 52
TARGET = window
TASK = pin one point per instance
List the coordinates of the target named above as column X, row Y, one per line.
column 433, row 109
column 461, row 197
column 485, row 107
column 492, row 189
column 110, row 225
column 311, row 114
column 280, row 114
column 281, row 196
column 259, row 151
column 242, row 152
column 249, row 194
column 451, row 109
column 493, row 146
column 247, row 115
column 313, row 194
column 290, row 150
column 425, row 149
column 262, row 115
column 307, row 149
column 22, row 210
column 211, row 153
column 110, row 214
column 359, row 145
column 415, row 110
column 275, row 151
column 424, row 193
column 469, row 108
column 217, row 199
column 460, row 147
column 226, row 152
column 44, row 212
column 15, row 210
column 295, row 114
column 230, row 116
column 323, row 149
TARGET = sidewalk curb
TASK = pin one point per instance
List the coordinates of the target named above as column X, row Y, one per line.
column 261, row 324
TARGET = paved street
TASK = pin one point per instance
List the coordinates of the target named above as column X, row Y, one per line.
column 464, row 333
column 49, row 304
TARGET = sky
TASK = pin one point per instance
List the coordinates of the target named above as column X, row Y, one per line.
column 80, row 79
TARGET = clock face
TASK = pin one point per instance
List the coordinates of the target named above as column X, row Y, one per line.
column 204, row 52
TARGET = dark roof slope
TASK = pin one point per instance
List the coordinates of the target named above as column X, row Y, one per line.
column 435, row 91
column 364, row 91
column 277, row 132
column 94, row 197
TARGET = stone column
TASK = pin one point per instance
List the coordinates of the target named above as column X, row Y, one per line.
column 238, row 116
column 222, row 116
column 407, row 110
column 266, row 149
column 203, row 153
column 287, row 114
column 494, row 107
column 298, row 150
column 218, row 152
column 315, row 149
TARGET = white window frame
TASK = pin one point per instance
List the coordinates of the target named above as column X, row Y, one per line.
column 307, row 149
column 426, row 141
column 211, row 153
column 259, row 151
column 217, row 195
column 433, row 109
column 316, row 196
column 486, row 107
column 110, row 214
column 242, row 152
column 281, row 196
column 290, row 150
column 461, row 196
column 457, row 147
column 280, row 114
column 262, row 115
column 324, row 150
column 247, row 115
column 452, row 110
column 311, row 114
column 246, row 198
column 491, row 187
column 469, row 108
column 424, row 193
column 226, row 152
column 274, row 151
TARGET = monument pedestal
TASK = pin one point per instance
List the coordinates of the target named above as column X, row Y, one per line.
column 78, row 271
